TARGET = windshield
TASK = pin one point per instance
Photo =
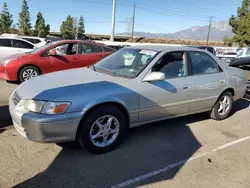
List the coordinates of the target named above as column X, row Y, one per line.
column 126, row 62
column 41, row 48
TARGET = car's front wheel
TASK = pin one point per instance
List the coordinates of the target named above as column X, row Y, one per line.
column 103, row 129
column 27, row 73
column 223, row 107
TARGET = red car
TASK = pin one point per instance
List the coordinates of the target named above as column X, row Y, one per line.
column 61, row 55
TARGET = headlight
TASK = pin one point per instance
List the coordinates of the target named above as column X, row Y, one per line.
column 55, row 107
column 7, row 61
column 44, row 107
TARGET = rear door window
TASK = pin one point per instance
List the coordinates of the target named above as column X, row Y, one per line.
column 34, row 41
column 88, row 48
column 202, row 63
column 21, row 44
column 5, row 43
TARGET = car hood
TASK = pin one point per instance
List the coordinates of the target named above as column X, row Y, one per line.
column 63, row 84
column 16, row 56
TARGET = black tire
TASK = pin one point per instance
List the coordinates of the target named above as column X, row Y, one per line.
column 214, row 114
column 85, row 127
column 20, row 75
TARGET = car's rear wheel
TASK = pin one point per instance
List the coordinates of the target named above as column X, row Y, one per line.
column 103, row 129
column 27, row 73
column 223, row 107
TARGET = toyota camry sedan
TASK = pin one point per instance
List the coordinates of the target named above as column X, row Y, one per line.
column 132, row 87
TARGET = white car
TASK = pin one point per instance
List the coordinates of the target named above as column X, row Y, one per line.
column 11, row 45
column 37, row 41
column 228, row 55
column 245, row 52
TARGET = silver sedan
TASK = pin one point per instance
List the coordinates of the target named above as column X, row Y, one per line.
column 134, row 86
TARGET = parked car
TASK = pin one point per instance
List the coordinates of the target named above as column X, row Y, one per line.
column 117, row 47
column 208, row 48
column 97, row 105
column 245, row 52
column 55, row 56
column 12, row 45
column 228, row 57
column 37, row 41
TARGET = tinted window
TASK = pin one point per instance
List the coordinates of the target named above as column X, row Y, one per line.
column 248, row 51
column 21, row 44
column 100, row 49
column 202, row 63
column 211, row 50
column 88, row 48
column 106, row 49
column 230, row 53
column 34, row 41
column 173, row 65
column 5, row 42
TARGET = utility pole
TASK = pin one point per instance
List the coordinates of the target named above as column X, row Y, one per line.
column 209, row 28
column 133, row 24
column 113, row 21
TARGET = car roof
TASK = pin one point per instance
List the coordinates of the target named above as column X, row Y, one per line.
column 164, row 48
column 15, row 38
column 77, row 41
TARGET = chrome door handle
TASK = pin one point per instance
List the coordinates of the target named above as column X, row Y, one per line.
column 222, row 81
column 186, row 87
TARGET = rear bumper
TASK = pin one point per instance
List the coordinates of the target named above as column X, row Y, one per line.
column 239, row 93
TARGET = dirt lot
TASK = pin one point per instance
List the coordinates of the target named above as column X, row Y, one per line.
column 187, row 152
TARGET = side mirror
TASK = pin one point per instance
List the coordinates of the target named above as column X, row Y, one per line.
column 52, row 52
column 154, row 76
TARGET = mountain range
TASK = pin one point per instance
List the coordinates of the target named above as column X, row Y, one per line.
column 218, row 31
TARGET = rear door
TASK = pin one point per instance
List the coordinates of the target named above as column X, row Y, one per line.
column 21, row 46
column 89, row 54
column 6, row 48
column 209, row 81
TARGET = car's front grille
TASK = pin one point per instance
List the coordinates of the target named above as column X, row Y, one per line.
column 16, row 98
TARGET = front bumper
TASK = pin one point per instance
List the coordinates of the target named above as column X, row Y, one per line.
column 3, row 73
column 45, row 128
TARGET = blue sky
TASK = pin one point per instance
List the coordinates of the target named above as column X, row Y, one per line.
column 155, row 16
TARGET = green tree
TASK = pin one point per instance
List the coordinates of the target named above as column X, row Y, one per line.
column 1, row 30
column 6, row 19
column 40, row 27
column 228, row 41
column 81, row 29
column 47, row 29
column 241, row 24
column 24, row 19
column 67, row 28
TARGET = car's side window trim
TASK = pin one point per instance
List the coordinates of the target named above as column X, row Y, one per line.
column 219, row 69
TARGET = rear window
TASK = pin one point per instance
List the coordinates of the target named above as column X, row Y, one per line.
column 34, row 41
column 5, row 43
column 107, row 49
column 21, row 44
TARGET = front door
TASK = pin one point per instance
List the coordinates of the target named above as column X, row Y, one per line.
column 171, row 97
column 67, row 57
column 209, row 81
